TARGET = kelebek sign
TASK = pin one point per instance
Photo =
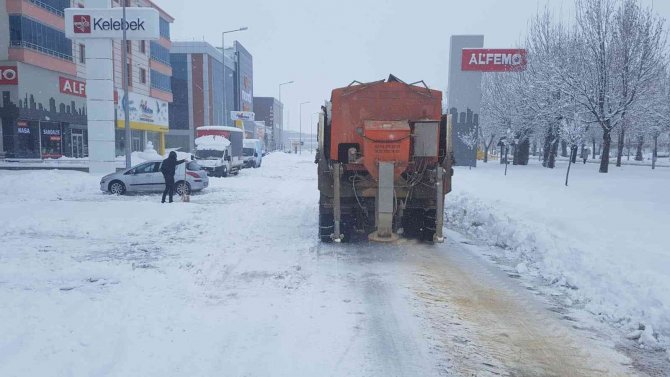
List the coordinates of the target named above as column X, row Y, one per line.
column 91, row 23
column 493, row 60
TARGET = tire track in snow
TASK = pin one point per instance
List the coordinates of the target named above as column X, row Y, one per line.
column 500, row 332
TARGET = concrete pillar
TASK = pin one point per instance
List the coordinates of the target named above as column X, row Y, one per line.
column 100, row 101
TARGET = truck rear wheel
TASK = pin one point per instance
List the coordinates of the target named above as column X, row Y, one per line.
column 428, row 228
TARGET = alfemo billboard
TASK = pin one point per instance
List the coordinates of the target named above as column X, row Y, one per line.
column 92, row 23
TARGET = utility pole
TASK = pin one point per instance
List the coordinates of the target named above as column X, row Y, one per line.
column 281, row 136
column 124, row 73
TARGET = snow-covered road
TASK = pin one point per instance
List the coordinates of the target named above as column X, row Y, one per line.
column 235, row 283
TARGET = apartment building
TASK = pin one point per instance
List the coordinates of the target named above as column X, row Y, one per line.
column 43, row 83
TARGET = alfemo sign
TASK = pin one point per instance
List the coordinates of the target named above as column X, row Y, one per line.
column 90, row 23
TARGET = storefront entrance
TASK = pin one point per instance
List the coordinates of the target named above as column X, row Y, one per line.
column 77, row 143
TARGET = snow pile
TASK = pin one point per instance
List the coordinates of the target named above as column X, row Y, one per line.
column 149, row 153
column 602, row 241
column 212, row 142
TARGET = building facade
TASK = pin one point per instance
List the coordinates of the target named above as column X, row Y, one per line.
column 199, row 70
column 43, row 83
column 242, row 82
column 270, row 110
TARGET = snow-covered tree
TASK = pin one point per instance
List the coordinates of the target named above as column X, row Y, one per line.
column 471, row 140
column 573, row 130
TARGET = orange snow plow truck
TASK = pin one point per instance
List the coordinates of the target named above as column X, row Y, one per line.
column 384, row 162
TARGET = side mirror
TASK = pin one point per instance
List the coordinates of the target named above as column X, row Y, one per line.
column 227, row 158
column 130, row 172
column 256, row 154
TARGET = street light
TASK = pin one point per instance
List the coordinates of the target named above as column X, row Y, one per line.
column 281, row 136
column 223, row 68
column 126, row 108
column 300, row 135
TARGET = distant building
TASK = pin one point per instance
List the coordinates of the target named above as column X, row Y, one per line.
column 43, row 88
column 270, row 110
column 198, row 85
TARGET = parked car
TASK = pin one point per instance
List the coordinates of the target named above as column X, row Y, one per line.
column 147, row 177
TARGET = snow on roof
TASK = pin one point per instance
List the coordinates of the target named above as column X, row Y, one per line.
column 212, row 142
column 219, row 128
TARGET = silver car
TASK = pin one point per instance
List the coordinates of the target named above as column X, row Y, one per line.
column 147, row 177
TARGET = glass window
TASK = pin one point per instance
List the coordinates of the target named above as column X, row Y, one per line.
column 164, row 27
column 148, row 167
column 82, row 53
column 143, row 76
column 28, row 33
column 130, row 74
column 160, row 53
column 193, row 166
column 52, row 140
column 143, row 47
column 160, row 81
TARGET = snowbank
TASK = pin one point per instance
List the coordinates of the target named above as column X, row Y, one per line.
column 602, row 241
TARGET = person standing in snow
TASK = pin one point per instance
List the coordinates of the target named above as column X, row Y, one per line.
column 585, row 154
column 168, row 169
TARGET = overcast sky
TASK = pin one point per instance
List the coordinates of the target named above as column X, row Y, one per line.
column 322, row 45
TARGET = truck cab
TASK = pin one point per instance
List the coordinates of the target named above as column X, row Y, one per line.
column 218, row 150
column 253, row 153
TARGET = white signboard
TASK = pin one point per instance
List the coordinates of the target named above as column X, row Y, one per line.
column 143, row 109
column 97, row 23
column 242, row 115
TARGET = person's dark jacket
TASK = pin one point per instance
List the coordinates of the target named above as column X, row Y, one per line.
column 170, row 164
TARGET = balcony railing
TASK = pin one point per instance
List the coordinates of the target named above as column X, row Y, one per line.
column 48, row 7
column 41, row 49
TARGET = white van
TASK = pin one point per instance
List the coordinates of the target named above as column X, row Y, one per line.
column 253, row 153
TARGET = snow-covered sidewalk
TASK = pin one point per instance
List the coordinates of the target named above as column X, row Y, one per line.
column 602, row 242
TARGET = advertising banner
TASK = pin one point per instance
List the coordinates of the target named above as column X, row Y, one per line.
column 92, row 23
column 9, row 75
column 144, row 110
column 242, row 115
column 72, row 87
column 493, row 60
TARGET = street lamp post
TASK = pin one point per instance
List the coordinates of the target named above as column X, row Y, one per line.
column 300, row 135
column 126, row 108
column 281, row 133
column 223, row 68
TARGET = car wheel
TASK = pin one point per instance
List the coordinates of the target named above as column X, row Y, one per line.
column 224, row 172
column 255, row 165
column 183, row 188
column 117, row 188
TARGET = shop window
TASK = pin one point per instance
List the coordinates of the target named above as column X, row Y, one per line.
column 52, row 140
column 27, row 140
